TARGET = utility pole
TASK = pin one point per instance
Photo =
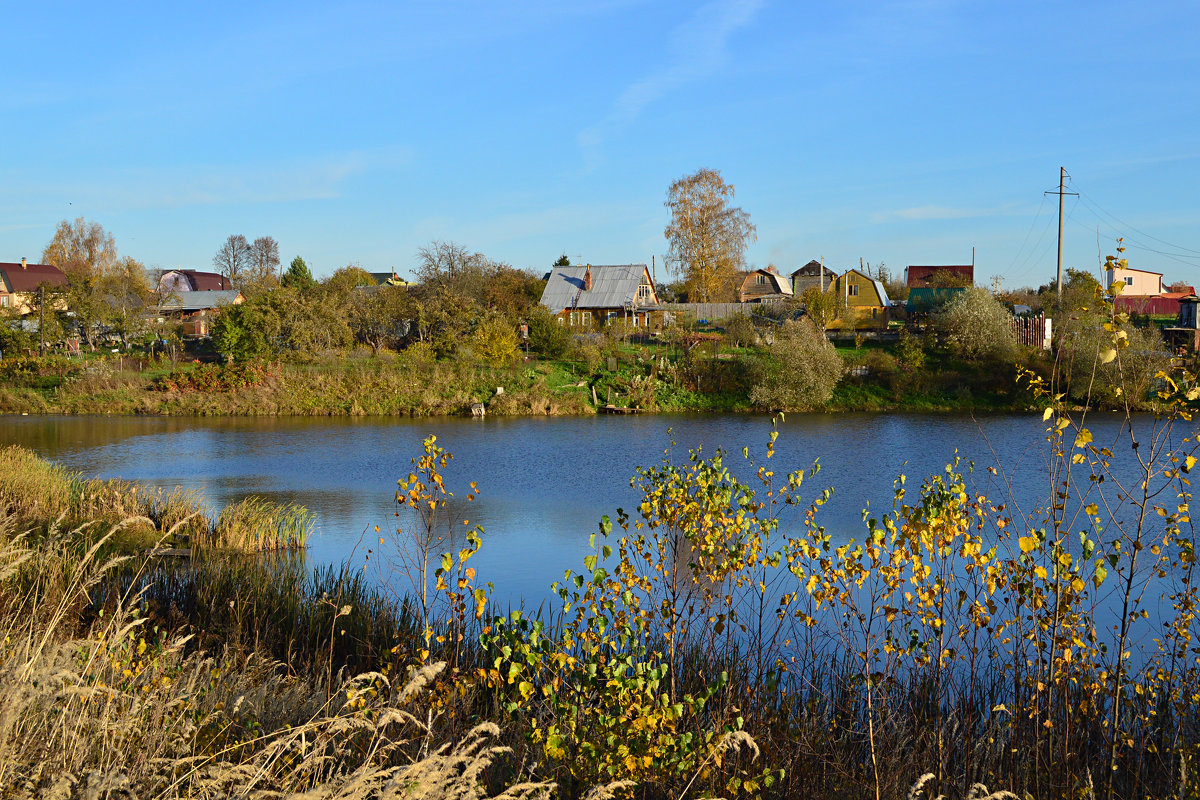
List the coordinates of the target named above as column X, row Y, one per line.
column 42, row 318
column 1062, row 182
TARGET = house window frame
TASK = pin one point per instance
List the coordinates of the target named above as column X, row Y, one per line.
column 852, row 289
column 585, row 319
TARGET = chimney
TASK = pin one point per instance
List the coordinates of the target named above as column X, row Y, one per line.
column 587, row 279
column 22, row 262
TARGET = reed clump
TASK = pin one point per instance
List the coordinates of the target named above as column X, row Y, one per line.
column 35, row 491
column 256, row 525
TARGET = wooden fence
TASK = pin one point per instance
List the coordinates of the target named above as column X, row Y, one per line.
column 1033, row 331
column 712, row 311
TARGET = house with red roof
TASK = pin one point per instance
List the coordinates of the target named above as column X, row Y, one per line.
column 177, row 281
column 19, row 281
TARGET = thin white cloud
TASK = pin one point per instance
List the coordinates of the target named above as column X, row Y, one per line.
column 317, row 178
column 933, row 213
column 697, row 50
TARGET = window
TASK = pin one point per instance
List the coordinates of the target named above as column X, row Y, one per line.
column 643, row 293
column 1129, row 280
column 4, row 301
column 852, row 290
column 585, row 318
column 760, row 279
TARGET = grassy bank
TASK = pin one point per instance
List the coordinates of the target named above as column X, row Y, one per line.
column 704, row 650
column 653, row 376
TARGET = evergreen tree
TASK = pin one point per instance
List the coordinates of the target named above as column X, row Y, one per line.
column 298, row 276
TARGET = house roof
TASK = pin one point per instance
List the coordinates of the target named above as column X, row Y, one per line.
column 782, row 285
column 812, row 268
column 922, row 299
column 31, row 276
column 613, row 286
column 198, row 301
column 202, row 281
column 388, row 279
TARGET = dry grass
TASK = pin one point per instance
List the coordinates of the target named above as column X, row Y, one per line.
column 116, row 710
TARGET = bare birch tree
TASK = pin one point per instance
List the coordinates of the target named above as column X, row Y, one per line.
column 233, row 259
column 707, row 236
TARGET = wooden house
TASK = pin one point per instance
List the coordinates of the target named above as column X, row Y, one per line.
column 866, row 302
column 588, row 296
column 813, row 275
column 19, row 281
column 1184, row 335
column 762, row 285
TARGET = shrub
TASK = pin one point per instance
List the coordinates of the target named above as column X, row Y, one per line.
column 977, row 326
column 739, row 331
column 496, row 340
column 800, row 371
column 1091, row 376
column 547, row 335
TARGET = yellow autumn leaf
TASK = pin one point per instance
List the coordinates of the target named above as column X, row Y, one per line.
column 1107, row 355
column 1027, row 543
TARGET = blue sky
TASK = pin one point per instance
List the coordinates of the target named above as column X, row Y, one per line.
column 895, row 132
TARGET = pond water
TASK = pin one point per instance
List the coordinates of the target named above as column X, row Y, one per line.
column 544, row 483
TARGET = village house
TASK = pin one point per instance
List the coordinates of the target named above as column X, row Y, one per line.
column 196, row 310
column 762, row 285
column 813, row 275
column 916, row 275
column 19, row 281
column 389, row 279
column 189, row 280
column 866, row 301
column 1138, row 282
column 587, row 296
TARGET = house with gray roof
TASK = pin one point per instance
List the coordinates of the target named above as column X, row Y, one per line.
column 590, row 295
column 195, row 310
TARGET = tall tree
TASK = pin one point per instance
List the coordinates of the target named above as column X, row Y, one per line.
column 707, row 235
column 81, row 250
column 125, row 291
column 445, row 261
column 264, row 257
column 233, row 259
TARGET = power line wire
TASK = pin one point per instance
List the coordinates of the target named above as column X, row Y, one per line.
column 1090, row 202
